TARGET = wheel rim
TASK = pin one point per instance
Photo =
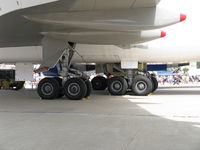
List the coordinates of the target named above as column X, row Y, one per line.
column 141, row 86
column 73, row 89
column 116, row 86
column 47, row 89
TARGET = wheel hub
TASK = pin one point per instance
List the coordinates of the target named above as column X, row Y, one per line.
column 74, row 89
column 141, row 85
column 47, row 88
column 117, row 86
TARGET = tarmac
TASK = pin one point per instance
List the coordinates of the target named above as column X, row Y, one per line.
column 167, row 120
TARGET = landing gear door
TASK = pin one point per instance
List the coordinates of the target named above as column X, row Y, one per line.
column 52, row 50
column 24, row 72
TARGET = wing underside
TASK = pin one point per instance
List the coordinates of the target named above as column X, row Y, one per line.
column 18, row 31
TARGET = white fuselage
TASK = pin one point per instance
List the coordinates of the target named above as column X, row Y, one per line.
column 149, row 54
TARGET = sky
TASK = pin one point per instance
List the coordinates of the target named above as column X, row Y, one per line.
column 186, row 32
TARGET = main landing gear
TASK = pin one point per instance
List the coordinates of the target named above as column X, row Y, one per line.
column 73, row 84
column 139, row 83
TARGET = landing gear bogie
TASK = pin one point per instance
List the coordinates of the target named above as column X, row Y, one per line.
column 73, row 88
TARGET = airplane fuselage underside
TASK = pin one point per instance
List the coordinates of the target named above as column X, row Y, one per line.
column 105, row 54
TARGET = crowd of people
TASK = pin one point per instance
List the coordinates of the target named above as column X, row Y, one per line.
column 177, row 79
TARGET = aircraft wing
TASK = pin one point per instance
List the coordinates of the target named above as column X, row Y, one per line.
column 26, row 23
column 19, row 31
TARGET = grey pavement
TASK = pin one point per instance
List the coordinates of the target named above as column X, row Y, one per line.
column 167, row 120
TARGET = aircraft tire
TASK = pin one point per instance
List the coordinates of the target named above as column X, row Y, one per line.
column 75, row 89
column 61, row 93
column 89, row 88
column 59, row 80
column 142, row 85
column 48, row 88
column 155, row 84
column 99, row 83
column 117, row 86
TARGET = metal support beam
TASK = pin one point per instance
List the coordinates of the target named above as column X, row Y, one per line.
column 65, row 60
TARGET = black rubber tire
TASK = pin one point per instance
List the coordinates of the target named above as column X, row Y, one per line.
column 59, row 81
column 79, row 87
column 52, row 85
column 61, row 93
column 89, row 88
column 144, row 83
column 155, row 84
column 99, row 83
column 120, row 82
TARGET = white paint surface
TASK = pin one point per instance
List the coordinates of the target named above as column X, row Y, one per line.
column 129, row 64
column 24, row 72
column 21, row 54
column 7, row 6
